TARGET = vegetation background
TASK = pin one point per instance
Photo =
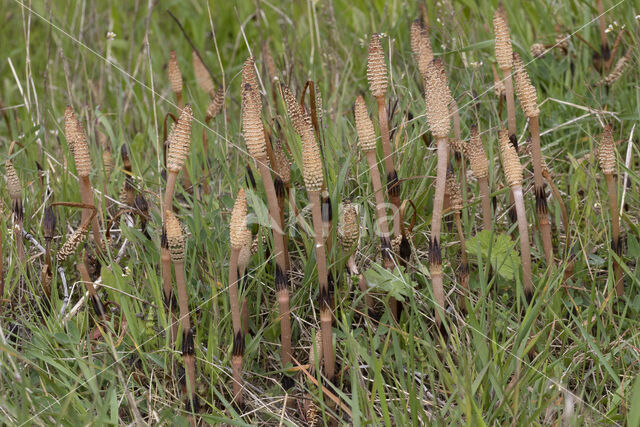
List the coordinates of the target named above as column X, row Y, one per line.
column 575, row 349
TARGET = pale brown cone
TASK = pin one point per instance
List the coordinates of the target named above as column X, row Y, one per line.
column 238, row 223
column 180, row 140
column 607, row 151
column 364, row 126
column 524, row 89
column 74, row 133
column 202, row 74
column 510, row 161
column 72, row 243
column 282, row 165
column 437, row 95
column 70, row 126
column 452, row 189
column 175, row 75
column 349, row 230
column 476, row 154
column 216, row 104
column 249, row 74
column 421, row 45
column 618, row 70
column 175, row 237
column 311, row 160
column 252, row 126
column 537, row 50
column 244, row 256
column 502, row 38
column 13, row 182
column 376, row 67
column 293, row 109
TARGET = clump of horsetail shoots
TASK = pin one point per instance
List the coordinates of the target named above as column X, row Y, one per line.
column 421, row 45
column 237, row 233
column 203, row 78
column 455, row 204
column 529, row 101
column 505, row 62
column 513, row 174
column 480, row 168
column 179, row 144
column 436, row 95
column 378, row 81
column 176, row 243
column 254, row 136
column 15, row 192
column 607, row 160
column 349, row 237
column 175, row 77
column 80, row 148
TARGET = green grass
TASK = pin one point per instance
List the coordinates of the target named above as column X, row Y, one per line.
column 575, row 348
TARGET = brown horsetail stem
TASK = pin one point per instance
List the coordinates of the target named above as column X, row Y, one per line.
column 175, row 77
column 237, row 234
column 480, row 168
column 436, row 95
column 169, row 298
column 203, row 78
column 254, row 136
column 529, row 102
column 504, row 56
column 421, row 45
column 80, row 148
column 377, row 76
column 455, row 200
column 513, row 174
column 176, row 241
column 15, row 192
column 607, row 160
column 314, row 181
column 605, row 52
column 367, row 141
column 350, row 236
column 179, row 143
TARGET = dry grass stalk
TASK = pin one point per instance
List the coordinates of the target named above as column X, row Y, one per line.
column 480, row 168
column 513, row 174
column 437, row 95
column 237, row 233
column 176, row 241
column 377, row 76
column 253, row 130
column 15, row 192
column 529, row 102
column 175, row 77
column 350, row 237
column 504, row 57
column 607, row 160
column 75, row 134
column 203, row 78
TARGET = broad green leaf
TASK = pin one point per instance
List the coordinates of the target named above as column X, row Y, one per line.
column 500, row 248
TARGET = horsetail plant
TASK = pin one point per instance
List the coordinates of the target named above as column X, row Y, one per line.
column 237, row 232
column 505, row 62
column 480, row 168
column 314, row 180
column 529, row 101
column 76, row 137
column 421, row 46
column 203, row 78
column 176, row 242
column 607, row 160
column 15, row 192
column 175, row 77
column 254, row 136
column 349, row 237
column 513, row 174
column 179, row 143
column 377, row 76
column 437, row 94
column 367, row 142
